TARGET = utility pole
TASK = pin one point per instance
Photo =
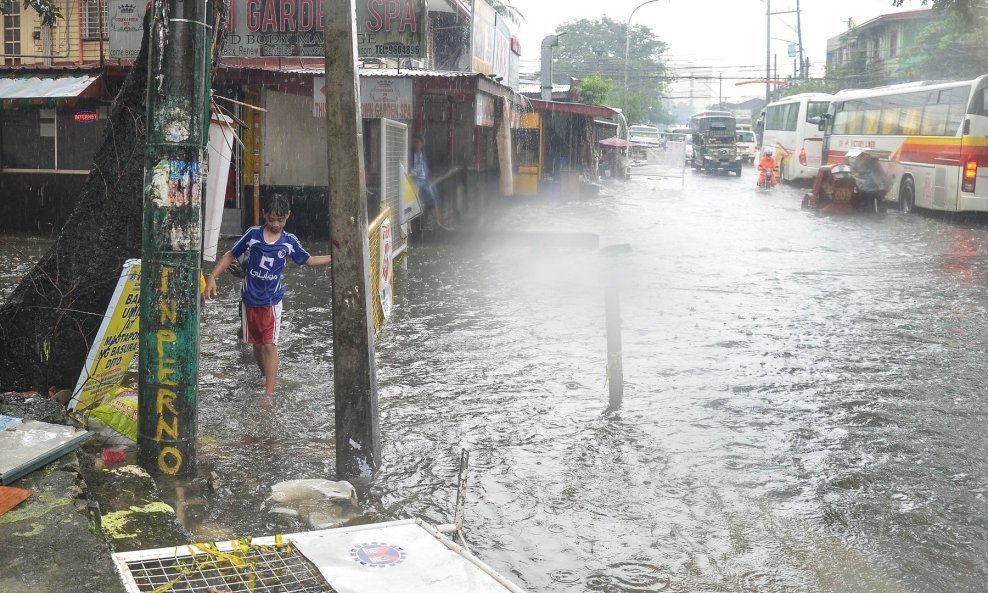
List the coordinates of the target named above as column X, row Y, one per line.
column 720, row 92
column 799, row 38
column 768, row 50
column 358, row 437
column 179, row 64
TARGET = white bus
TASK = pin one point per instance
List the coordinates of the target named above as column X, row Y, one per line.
column 935, row 135
column 791, row 128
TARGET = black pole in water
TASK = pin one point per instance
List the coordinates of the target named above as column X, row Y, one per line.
column 612, row 308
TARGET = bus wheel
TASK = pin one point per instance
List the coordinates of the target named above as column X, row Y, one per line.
column 907, row 196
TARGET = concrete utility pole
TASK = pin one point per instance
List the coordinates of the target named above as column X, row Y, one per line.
column 768, row 51
column 179, row 79
column 358, row 437
column 799, row 38
column 627, row 47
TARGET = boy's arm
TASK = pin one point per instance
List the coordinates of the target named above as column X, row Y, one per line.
column 220, row 267
column 319, row 260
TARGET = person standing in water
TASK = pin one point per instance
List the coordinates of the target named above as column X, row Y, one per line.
column 420, row 172
column 270, row 247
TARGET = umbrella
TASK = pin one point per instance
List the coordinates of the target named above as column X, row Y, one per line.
column 617, row 142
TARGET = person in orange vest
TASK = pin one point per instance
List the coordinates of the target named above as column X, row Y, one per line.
column 767, row 164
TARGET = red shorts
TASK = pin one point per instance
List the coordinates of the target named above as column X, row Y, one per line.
column 261, row 325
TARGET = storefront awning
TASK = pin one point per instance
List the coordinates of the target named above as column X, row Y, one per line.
column 574, row 108
column 48, row 87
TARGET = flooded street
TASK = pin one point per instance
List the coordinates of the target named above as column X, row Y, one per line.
column 804, row 405
column 803, row 412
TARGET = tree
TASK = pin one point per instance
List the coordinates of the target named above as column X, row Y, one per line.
column 963, row 8
column 596, row 46
column 953, row 47
column 46, row 9
column 812, row 85
column 594, row 90
column 50, row 319
column 509, row 11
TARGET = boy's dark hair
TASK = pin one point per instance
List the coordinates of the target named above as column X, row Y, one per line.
column 418, row 138
column 278, row 204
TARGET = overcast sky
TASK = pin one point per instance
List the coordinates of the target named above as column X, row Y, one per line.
column 727, row 36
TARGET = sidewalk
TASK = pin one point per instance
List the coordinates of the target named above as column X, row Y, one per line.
column 59, row 540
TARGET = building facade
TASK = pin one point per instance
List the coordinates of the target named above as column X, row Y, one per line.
column 877, row 52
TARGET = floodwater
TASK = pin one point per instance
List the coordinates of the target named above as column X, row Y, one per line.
column 804, row 407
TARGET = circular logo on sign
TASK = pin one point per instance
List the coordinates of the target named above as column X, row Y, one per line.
column 378, row 555
column 282, row 254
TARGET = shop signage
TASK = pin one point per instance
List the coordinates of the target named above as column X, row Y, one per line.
column 269, row 28
column 125, row 21
column 495, row 51
column 389, row 98
column 85, row 116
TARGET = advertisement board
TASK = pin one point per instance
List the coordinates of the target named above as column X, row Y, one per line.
column 292, row 28
column 390, row 98
column 125, row 19
column 115, row 344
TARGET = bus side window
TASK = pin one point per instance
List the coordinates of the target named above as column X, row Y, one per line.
column 979, row 104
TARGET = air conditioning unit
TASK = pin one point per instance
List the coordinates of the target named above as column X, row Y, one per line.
column 409, row 63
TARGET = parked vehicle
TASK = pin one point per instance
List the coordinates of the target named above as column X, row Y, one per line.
column 791, row 129
column 747, row 145
column 860, row 182
column 934, row 134
column 645, row 135
column 714, row 142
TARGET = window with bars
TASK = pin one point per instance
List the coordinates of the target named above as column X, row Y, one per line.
column 92, row 12
column 12, row 32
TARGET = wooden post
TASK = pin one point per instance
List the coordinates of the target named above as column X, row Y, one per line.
column 179, row 79
column 358, row 439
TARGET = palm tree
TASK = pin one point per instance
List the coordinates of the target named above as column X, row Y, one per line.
column 507, row 10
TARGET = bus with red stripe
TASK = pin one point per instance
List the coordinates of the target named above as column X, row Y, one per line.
column 935, row 136
column 791, row 129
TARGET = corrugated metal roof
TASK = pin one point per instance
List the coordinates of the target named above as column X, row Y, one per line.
column 49, row 87
column 575, row 108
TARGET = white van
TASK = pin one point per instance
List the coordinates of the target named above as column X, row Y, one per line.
column 747, row 145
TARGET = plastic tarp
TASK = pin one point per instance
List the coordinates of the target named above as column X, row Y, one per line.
column 26, row 445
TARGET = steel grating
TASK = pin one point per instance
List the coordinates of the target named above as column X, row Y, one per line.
column 253, row 569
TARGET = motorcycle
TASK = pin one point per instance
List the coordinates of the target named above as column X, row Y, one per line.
column 766, row 178
column 859, row 183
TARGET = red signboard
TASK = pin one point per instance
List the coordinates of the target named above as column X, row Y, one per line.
column 85, row 116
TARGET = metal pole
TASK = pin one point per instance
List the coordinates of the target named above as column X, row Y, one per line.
column 358, row 438
column 768, row 50
column 720, row 92
column 179, row 79
column 799, row 38
column 627, row 48
column 612, row 308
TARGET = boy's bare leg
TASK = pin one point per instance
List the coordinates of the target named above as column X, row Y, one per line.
column 269, row 368
column 259, row 356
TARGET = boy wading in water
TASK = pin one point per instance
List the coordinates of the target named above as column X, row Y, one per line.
column 270, row 249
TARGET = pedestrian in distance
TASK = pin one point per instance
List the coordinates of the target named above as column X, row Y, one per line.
column 420, row 172
column 270, row 247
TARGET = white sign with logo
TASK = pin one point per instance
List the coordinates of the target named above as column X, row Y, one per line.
column 380, row 98
column 384, row 285
column 125, row 19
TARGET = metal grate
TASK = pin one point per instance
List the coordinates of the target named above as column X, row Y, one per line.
column 394, row 164
column 253, row 569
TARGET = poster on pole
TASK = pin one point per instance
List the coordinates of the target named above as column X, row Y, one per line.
column 385, row 267
column 115, row 344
